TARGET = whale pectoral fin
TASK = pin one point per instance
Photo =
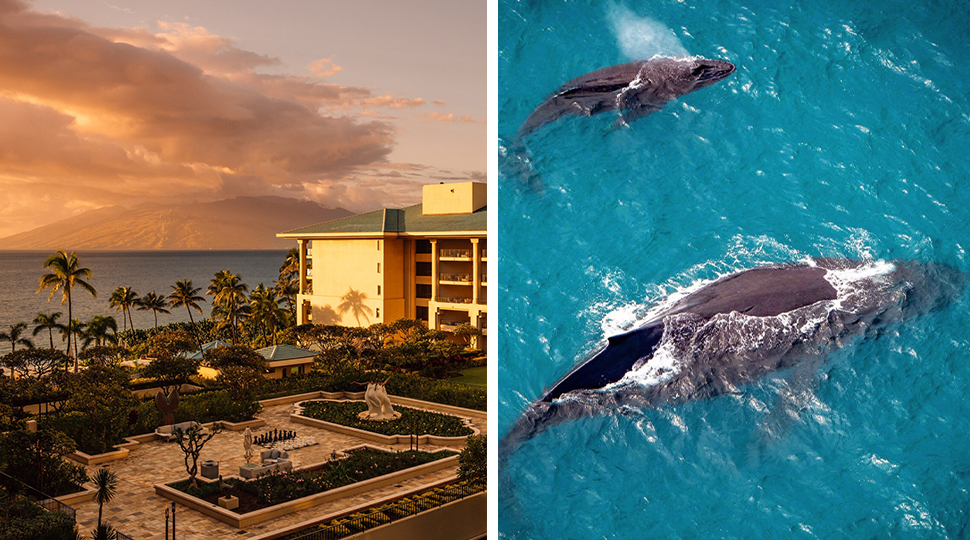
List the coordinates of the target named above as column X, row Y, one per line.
column 793, row 398
column 630, row 115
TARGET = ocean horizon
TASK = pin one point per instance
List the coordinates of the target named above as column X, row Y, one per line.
column 143, row 270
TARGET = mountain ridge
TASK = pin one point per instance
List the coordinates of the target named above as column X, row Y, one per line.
column 244, row 222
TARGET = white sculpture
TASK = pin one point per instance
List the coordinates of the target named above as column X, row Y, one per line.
column 387, row 412
column 378, row 404
column 373, row 403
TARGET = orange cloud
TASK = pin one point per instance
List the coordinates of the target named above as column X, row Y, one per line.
column 449, row 117
column 106, row 116
column 324, row 67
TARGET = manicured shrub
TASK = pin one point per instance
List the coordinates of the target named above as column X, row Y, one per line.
column 21, row 519
column 422, row 422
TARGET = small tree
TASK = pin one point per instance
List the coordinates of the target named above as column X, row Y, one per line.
column 466, row 332
column 472, row 461
column 105, row 486
column 191, row 441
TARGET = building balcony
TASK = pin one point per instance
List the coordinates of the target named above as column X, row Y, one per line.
column 455, row 255
column 454, row 299
column 450, row 326
column 455, row 279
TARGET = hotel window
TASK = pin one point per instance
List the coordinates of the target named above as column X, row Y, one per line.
column 422, row 313
column 378, row 312
column 378, row 245
column 422, row 246
column 378, row 290
column 378, row 268
column 422, row 268
column 422, row 290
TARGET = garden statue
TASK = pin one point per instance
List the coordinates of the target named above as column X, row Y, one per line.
column 387, row 412
column 167, row 406
column 373, row 404
column 248, row 445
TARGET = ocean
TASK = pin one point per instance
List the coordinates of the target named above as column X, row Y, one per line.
column 144, row 271
column 844, row 132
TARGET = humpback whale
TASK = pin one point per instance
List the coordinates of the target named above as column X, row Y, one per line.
column 635, row 88
column 737, row 329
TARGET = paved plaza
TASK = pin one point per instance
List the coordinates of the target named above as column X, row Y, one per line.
column 138, row 512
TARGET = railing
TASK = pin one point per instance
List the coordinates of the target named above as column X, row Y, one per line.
column 457, row 253
column 451, row 325
column 464, row 278
column 122, row 536
column 454, row 299
column 376, row 517
column 40, row 499
column 484, row 279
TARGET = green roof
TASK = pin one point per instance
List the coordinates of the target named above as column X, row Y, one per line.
column 284, row 352
column 398, row 220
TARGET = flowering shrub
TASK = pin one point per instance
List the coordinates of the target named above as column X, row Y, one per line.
column 425, row 423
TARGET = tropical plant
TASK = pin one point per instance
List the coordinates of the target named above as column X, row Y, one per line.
column 229, row 296
column 191, row 441
column 123, row 299
column 14, row 336
column 105, row 487
column 184, row 294
column 154, row 303
column 104, row 531
column 65, row 274
column 43, row 321
column 265, row 312
column 103, row 355
column 473, row 459
column 35, row 363
column 74, row 329
column 97, row 331
column 353, row 302
column 466, row 332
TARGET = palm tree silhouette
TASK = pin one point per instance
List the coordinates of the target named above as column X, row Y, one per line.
column 229, row 294
column 265, row 310
column 49, row 323
column 74, row 328
column 65, row 275
column 353, row 302
column 97, row 331
column 123, row 299
column 14, row 336
column 153, row 302
column 105, row 484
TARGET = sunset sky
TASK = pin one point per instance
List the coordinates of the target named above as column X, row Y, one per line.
column 352, row 104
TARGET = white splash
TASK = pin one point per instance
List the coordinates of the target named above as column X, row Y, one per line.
column 643, row 37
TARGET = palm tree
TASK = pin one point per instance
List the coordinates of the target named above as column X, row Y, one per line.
column 353, row 302
column 229, row 294
column 123, row 299
column 156, row 304
column 13, row 336
column 265, row 310
column 184, row 294
column 105, row 486
column 98, row 331
column 49, row 323
column 286, row 288
column 291, row 265
column 74, row 328
column 65, row 274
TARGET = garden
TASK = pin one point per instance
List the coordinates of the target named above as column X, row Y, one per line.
column 411, row 421
column 276, row 488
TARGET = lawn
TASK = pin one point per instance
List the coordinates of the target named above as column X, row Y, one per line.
column 476, row 376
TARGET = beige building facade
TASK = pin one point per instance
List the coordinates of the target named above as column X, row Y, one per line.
column 425, row 262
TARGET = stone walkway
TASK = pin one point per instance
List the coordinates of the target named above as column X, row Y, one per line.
column 139, row 513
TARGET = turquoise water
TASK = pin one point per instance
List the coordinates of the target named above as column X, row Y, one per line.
column 844, row 132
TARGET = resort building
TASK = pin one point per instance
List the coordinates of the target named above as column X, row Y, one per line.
column 425, row 262
column 282, row 360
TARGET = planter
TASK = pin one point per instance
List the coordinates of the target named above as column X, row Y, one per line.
column 383, row 439
column 272, row 512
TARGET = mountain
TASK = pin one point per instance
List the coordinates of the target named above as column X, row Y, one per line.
column 239, row 223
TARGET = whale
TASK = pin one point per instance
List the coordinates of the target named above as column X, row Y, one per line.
column 730, row 332
column 636, row 89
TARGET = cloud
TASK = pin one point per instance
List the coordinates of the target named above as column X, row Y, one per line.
column 324, row 67
column 101, row 116
column 449, row 117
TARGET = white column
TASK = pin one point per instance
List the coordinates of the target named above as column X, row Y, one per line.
column 476, row 272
